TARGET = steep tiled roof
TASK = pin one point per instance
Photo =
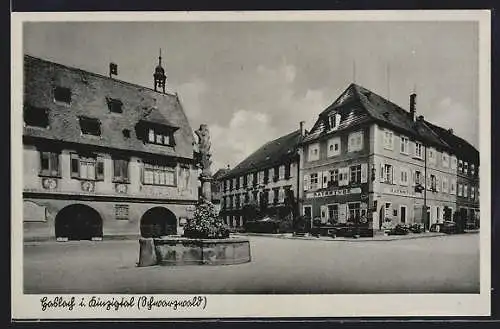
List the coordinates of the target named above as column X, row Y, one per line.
column 89, row 96
column 460, row 146
column 270, row 154
column 378, row 109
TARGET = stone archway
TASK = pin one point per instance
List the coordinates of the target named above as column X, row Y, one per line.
column 157, row 222
column 78, row 222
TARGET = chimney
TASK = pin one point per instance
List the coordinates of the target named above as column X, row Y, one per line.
column 302, row 131
column 450, row 131
column 413, row 104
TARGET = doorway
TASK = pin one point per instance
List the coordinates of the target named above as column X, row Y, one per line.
column 157, row 222
column 78, row 222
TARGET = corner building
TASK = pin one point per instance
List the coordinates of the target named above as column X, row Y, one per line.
column 268, row 178
column 103, row 157
column 367, row 158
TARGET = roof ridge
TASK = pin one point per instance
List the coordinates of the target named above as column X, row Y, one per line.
column 174, row 94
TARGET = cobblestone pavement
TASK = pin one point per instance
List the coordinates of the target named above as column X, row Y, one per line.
column 444, row 264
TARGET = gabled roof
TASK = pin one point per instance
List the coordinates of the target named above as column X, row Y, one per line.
column 90, row 95
column 460, row 146
column 219, row 173
column 379, row 110
column 269, row 155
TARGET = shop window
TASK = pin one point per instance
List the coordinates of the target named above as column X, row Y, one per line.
column 333, row 213
column 354, row 211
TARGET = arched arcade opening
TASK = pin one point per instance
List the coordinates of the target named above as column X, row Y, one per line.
column 78, row 222
column 157, row 222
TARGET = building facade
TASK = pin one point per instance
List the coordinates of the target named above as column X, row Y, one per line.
column 102, row 156
column 368, row 159
column 268, row 179
column 217, row 186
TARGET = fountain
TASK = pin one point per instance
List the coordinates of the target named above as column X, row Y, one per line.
column 206, row 239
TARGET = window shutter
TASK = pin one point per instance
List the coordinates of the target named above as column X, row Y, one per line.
column 307, row 182
column 75, row 165
column 100, row 169
column 438, row 183
column 324, row 213
column 381, row 172
column 414, row 177
column 337, row 119
column 392, row 169
column 364, row 172
column 55, row 163
column 346, row 176
column 326, row 178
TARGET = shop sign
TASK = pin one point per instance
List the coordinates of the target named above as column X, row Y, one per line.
column 398, row 191
column 346, row 191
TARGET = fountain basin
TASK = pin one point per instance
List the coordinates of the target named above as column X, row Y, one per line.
column 174, row 251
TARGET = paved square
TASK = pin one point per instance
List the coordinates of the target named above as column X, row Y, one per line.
column 445, row 264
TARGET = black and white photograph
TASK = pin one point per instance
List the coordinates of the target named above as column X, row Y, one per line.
column 255, row 156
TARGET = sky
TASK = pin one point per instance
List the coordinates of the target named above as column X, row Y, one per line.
column 252, row 82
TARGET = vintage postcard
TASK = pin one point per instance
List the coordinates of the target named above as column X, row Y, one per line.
column 172, row 165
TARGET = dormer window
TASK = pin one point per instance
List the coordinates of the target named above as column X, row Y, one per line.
column 114, row 105
column 90, row 126
column 333, row 121
column 156, row 136
column 36, row 117
column 62, row 94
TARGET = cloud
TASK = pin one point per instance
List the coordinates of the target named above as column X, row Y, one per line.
column 191, row 94
column 246, row 132
column 453, row 114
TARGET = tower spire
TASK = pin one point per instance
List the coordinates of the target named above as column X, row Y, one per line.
column 159, row 76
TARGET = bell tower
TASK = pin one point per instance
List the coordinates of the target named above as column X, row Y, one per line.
column 159, row 76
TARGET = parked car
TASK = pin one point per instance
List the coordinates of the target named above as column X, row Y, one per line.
column 448, row 227
column 263, row 225
column 416, row 228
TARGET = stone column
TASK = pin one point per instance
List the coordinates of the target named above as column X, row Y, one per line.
column 206, row 187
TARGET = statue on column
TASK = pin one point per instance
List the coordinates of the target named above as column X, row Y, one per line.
column 204, row 155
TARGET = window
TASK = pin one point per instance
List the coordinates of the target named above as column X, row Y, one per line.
column 355, row 141
column 333, row 213
column 314, row 152
column 160, row 137
column 404, row 177
column 90, row 126
column 418, row 150
column 247, row 197
column 460, row 190
column 445, row 185
column 49, row 164
column 120, row 170
column 354, row 211
column 261, row 177
column 36, row 117
column 472, row 192
column 237, row 202
column 418, row 177
column 388, row 173
column 276, row 174
column 460, row 166
column 314, row 180
column 334, row 177
column 121, row 211
column 453, row 162
column 388, row 139
column 472, row 169
column 156, row 174
column 62, row 94
column 333, row 146
column 466, row 168
column 355, row 174
column 432, row 156
column 245, row 181
column 87, row 167
column 405, row 145
column 114, row 105
column 254, row 179
column 126, row 133
column 266, row 176
column 231, row 181
column 333, row 121
column 282, row 172
column 287, row 170
column 452, row 186
column 275, row 195
column 237, row 183
column 433, row 183
column 446, row 160
column 465, row 191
